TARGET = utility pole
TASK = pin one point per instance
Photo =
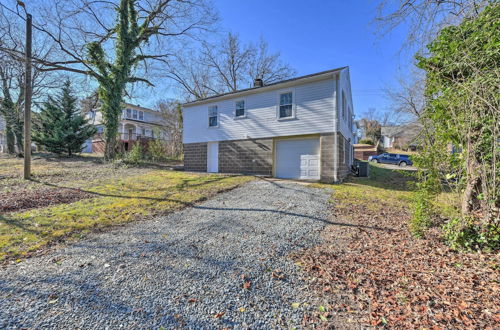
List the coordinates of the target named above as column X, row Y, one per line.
column 27, row 103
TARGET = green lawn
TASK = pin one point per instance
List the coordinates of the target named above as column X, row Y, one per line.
column 117, row 200
column 388, row 187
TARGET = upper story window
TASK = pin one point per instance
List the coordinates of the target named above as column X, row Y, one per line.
column 133, row 114
column 286, row 105
column 240, row 109
column 213, row 120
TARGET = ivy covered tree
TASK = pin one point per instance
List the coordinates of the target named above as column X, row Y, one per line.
column 114, row 42
column 461, row 127
column 60, row 127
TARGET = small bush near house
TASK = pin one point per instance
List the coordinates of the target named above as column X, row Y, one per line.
column 136, row 155
column 156, row 151
column 422, row 214
column 366, row 141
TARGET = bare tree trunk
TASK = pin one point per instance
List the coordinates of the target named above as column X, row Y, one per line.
column 10, row 139
column 470, row 199
column 18, row 132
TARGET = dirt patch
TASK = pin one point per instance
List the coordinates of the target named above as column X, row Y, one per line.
column 25, row 199
column 374, row 273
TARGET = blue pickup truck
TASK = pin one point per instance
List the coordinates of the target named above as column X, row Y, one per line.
column 395, row 159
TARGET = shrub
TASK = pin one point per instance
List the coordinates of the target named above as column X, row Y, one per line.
column 465, row 234
column 366, row 141
column 422, row 214
column 157, row 151
column 136, row 155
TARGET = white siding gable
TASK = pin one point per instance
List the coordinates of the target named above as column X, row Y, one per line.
column 345, row 122
column 313, row 103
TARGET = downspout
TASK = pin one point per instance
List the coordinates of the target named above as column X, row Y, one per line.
column 335, row 130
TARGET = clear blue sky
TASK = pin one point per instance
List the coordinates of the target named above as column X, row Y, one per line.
column 317, row 35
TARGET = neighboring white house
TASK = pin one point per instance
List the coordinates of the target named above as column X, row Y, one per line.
column 136, row 123
column 299, row 128
column 400, row 136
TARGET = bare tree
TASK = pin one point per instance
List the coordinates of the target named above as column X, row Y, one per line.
column 226, row 66
column 230, row 61
column 372, row 129
column 424, row 18
column 172, row 120
column 190, row 74
column 408, row 99
column 12, row 76
column 268, row 67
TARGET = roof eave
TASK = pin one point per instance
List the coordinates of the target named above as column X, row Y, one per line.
column 277, row 85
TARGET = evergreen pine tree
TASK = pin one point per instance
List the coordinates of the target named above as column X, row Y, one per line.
column 61, row 128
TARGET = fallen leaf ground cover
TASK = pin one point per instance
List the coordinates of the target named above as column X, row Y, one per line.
column 25, row 199
column 112, row 196
column 374, row 273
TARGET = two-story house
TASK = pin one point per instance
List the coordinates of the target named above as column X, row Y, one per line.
column 136, row 123
column 299, row 128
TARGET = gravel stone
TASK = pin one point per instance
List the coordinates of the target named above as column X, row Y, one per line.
column 183, row 270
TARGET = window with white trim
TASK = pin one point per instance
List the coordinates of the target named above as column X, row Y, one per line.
column 286, row 105
column 240, row 108
column 133, row 114
column 213, row 120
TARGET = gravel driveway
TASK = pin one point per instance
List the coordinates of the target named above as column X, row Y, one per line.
column 187, row 269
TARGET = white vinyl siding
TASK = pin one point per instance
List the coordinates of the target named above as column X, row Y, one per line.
column 345, row 124
column 313, row 104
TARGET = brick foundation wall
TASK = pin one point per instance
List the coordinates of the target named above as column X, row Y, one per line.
column 195, row 157
column 256, row 157
column 246, row 156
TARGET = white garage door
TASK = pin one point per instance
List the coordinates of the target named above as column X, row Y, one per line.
column 298, row 159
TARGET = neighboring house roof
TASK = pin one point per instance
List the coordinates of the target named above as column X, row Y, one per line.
column 408, row 132
column 265, row 87
column 400, row 130
column 141, row 121
column 391, row 131
column 132, row 106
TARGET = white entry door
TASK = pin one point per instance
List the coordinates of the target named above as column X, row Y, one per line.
column 213, row 157
column 298, row 159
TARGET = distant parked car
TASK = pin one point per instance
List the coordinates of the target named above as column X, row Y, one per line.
column 395, row 159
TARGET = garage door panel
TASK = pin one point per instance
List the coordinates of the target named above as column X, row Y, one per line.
column 298, row 159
